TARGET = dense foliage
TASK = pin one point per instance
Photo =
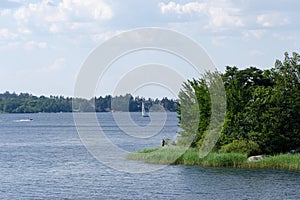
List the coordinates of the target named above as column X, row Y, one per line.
column 27, row 103
column 263, row 107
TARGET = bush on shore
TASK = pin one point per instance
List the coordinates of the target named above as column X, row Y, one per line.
column 241, row 146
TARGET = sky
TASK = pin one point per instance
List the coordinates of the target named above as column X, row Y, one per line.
column 43, row 44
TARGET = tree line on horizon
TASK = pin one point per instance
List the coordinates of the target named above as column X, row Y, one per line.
column 27, row 103
column 261, row 114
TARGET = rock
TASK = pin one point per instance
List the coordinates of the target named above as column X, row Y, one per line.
column 295, row 151
column 256, row 158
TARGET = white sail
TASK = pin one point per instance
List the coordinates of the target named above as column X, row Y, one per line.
column 144, row 113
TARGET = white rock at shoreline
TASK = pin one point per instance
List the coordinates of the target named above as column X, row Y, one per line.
column 256, row 158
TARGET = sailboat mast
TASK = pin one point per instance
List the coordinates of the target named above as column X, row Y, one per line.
column 143, row 109
column 144, row 113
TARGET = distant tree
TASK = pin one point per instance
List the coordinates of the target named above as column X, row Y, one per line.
column 27, row 103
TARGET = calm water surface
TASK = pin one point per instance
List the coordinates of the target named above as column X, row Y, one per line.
column 44, row 159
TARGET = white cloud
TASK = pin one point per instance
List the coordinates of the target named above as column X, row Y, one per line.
column 22, row 14
column 272, row 19
column 5, row 12
column 30, row 45
column 27, row 45
column 58, row 65
column 66, row 10
column 285, row 37
column 219, row 41
column 55, row 28
column 220, row 17
column 91, row 39
column 256, row 33
column 16, row 1
column 104, row 36
column 24, row 30
column 60, row 17
column 93, row 9
column 9, row 46
column 5, row 34
column 256, row 53
column 220, row 13
column 189, row 8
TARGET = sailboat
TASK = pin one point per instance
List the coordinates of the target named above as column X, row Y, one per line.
column 144, row 113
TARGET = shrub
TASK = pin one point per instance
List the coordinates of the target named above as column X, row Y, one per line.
column 254, row 148
column 184, row 140
column 208, row 141
column 241, row 146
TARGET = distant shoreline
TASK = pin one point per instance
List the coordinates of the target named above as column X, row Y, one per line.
column 27, row 103
column 90, row 112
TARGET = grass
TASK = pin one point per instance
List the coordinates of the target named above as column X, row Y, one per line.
column 224, row 160
column 180, row 155
column 281, row 161
column 158, row 155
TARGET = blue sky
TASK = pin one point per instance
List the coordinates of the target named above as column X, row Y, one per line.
column 44, row 43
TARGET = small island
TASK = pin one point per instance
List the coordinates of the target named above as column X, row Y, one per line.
column 260, row 117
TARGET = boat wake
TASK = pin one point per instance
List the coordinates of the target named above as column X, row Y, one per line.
column 23, row 120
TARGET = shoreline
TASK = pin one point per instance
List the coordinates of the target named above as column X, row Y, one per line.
column 180, row 156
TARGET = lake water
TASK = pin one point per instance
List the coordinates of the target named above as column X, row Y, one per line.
column 45, row 159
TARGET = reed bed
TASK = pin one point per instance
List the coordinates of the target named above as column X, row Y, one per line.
column 189, row 156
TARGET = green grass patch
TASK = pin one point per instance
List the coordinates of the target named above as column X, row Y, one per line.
column 190, row 157
column 184, row 156
column 162, row 155
column 148, row 150
column 224, row 160
column 281, row 161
